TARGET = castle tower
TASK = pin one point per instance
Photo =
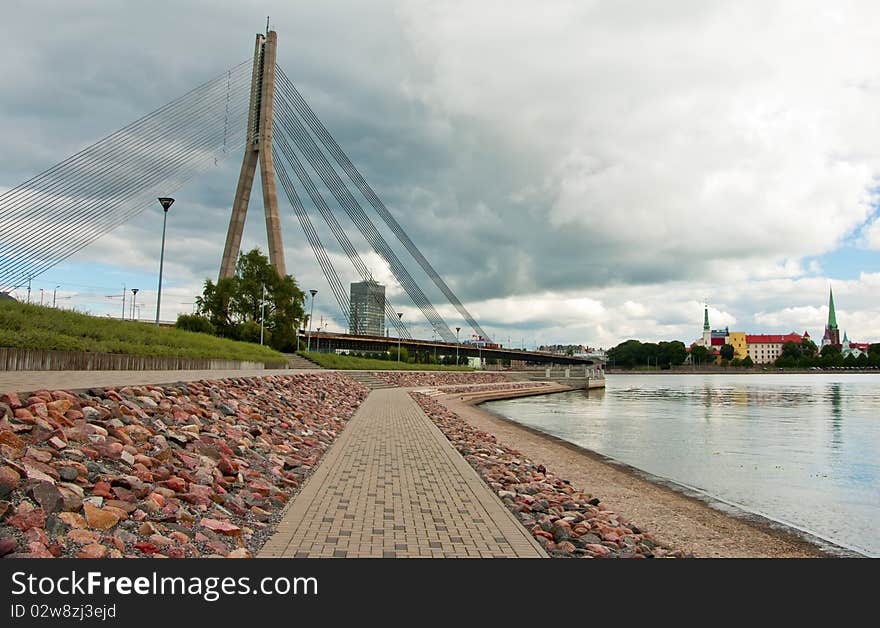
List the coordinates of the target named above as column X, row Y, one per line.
column 832, row 333
column 258, row 148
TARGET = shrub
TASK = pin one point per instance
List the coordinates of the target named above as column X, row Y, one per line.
column 196, row 323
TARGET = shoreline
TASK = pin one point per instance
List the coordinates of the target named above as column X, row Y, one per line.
column 741, row 371
column 681, row 516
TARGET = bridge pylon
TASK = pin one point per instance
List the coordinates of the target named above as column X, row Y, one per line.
column 258, row 148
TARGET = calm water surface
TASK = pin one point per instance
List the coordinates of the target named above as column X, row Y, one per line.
column 801, row 449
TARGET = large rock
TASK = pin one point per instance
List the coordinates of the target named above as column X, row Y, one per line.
column 98, row 518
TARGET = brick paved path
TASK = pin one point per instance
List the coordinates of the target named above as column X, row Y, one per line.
column 393, row 486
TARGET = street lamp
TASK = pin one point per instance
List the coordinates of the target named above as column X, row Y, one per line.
column 399, row 318
column 262, row 312
column 166, row 203
column 55, row 294
column 318, row 341
column 311, row 313
column 134, row 294
column 457, row 329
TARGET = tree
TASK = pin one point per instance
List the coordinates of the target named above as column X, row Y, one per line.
column 748, row 362
column 862, row 360
column 792, row 350
column 699, row 354
column 234, row 305
column 830, row 351
column 808, row 348
column 727, row 352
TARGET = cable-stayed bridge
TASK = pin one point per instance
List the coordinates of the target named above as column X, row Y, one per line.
column 253, row 106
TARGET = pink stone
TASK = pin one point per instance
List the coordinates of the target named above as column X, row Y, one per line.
column 223, row 527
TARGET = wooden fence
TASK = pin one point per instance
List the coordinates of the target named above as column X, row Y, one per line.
column 12, row 359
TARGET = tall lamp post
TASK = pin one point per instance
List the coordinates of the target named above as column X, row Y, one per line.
column 166, row 203
column 134, row 294
column 262, row 312
column 311, row 313
column 55, row 295
column 457, row 329
column 399, row 318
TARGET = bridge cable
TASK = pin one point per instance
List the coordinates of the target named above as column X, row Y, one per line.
column 345, row 163
column 355, row 212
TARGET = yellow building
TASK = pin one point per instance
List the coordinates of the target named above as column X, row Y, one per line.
column 737, row 339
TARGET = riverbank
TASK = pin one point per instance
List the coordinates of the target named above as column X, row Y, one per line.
column 675, row 518
column 720, row 370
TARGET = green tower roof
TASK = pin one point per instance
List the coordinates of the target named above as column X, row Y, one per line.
column 706, row 318
column 832, row 315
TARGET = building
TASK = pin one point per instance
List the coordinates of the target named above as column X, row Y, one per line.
column 367, row 309
column 737, row 339
column 832, row 333
column 766, row 348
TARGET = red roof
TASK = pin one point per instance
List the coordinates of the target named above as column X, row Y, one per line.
column 773, row 338
column 717, row 342
column 862, row 346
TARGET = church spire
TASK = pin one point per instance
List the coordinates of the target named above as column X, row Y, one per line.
column 832, row 315
column 706, row 318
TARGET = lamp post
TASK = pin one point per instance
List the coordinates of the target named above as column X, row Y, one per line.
column 262, row 312
column 318, row 341
column 311, row 313
column 399, row 318
column 55, row 295
column 134, row 294
column 166, row 203
column 457, row 329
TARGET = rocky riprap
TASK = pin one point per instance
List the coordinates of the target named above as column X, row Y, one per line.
column 184, row 470
column 567, row 522
column 407, row 379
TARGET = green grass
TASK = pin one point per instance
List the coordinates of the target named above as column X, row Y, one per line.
column 35, row 327
column 350, row 362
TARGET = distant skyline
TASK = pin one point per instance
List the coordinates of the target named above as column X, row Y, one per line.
column 577, row 172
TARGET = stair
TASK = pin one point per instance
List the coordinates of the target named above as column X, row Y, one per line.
column 369, row 380
column 296, row 361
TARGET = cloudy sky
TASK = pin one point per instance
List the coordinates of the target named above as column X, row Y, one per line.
column 580, row 172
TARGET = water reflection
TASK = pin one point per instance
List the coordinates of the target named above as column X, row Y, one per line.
column 802, row 449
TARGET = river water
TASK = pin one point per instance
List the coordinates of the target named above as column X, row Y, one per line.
column 803, row 450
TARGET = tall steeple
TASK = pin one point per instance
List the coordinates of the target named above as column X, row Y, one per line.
column 832, row 315
column 706, row 318
column 832, row 333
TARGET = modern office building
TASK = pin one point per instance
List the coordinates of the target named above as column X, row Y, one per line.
column 367, row 309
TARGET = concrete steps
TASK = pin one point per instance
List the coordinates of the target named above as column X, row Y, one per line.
column 369, row 380
column 296, row 361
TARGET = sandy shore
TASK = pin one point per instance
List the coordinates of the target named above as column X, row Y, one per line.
column 682, row 521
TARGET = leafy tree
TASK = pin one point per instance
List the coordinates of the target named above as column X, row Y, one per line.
column 874, row 349
column 793, row 350
column 699, row 354
column 862, row 360
column 727, row 352
column 808, row 347
column 786, row 361
column 830, row 351
column 850, row 360
column 748, row 362
column 234, row 304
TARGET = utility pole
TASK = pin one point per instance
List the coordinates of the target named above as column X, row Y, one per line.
column 457, row 329
column 55, row 295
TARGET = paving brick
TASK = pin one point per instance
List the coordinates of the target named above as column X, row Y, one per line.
column 410, row 481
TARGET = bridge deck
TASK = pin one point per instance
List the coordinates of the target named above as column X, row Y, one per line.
column 393, row 486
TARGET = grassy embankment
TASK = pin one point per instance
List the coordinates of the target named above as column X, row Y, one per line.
column 35, row 327
column 350, row 362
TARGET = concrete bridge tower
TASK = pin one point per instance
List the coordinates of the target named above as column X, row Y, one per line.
column 258, row 148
